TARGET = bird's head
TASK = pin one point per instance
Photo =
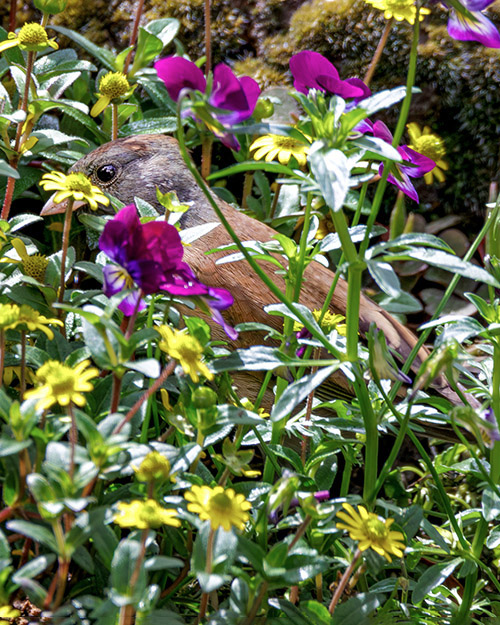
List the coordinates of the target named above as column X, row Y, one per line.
column 135, row 167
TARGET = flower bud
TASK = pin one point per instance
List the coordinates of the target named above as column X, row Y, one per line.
column 50, row 6
column 263, row 109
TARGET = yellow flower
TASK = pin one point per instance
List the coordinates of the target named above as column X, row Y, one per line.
column 61, row 384
column 112, row 86
column 76, row 186
column 145, row 515
column 371, row 531
column 31, row 37
column 272, row 146
column 34, row 265
column 329, row 322
column 13, row 316
column 154, row 467
column 399, row 9
column 10, row 372
column 431, row 145
column 186, row 350
column 7, row 611
column 223, row 508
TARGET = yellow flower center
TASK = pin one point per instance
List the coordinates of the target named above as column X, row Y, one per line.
column 398, row 5
column 78, row 182
column 114, row 85
column 33, row 34
column 375, row 528
column 35, row 266
column 220, row 504
column 9, row 314
column 288, row 143
column 59, row 377
column 431, row 146
column 331, row 322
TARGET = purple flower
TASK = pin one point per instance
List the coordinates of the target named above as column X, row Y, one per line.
column 149, row 257
column 144, row 256
column 237, row 96
column 479, row 29
column 312, row 70
column 418, row 164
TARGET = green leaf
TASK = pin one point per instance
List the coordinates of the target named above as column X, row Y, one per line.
column 7, row 170
column 490, row 504
column 297, row 392
column 357, row 610
column 331, row 170
column 449, row 262
column 122, row 568
column 105, row 57
column 433, row 577
column 38, row 533
column 149, row 367
column 9, row 446
column 33, row 568
column 255, row 358
column 245, row 166
column 382, row 100
column 158, row 125
column 152, row 40
column 163, row 563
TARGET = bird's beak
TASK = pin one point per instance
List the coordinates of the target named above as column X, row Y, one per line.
column 51, row 208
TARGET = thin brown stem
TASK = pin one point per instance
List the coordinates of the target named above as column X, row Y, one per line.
column 62, row 578
column 9, row 194
column 133, row 36
column 343, row 582
column 247, row 188
column 127, row 612
column 208, row 38
column 206, row 155
column 115, row 394
column 378, row 52
column 300, row 532
column 256, row 604
column 152, row 389
column 65, row 244
column 12, row 15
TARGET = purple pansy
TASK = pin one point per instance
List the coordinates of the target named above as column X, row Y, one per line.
column 418, row 164
column 237, row 96
column 312, row 70
column 149, row 258
column 478, row 29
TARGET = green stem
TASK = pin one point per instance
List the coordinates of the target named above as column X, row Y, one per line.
column 114, row 121
column 492, row 218
column 398, row 133
column 275, row 290
column 65, row 244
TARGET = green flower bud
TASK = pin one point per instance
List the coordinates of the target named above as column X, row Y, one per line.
column 264, row 108
column 50, row 6
column 204, row 398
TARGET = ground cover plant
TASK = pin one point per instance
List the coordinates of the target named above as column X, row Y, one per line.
column 246, row 440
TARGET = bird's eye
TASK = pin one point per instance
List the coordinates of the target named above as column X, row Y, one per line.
column 106, row 173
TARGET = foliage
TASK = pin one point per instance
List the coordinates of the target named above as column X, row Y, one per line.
column 153, row 471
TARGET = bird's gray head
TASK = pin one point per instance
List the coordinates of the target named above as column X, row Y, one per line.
column 136, row 166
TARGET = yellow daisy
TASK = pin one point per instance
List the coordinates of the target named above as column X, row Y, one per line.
column 371, row 531
column 76, row 186
column 113, row 86
column 154, row 467
column 186, row 350
column 13, row 316
column 272, row 146
column 145, row 515
column 431, row 145
column 7, row 611
column 399, row 9
column 329, row 322
column 223, row 508
column 34, row 265
column 60, row 384
column 31, row 37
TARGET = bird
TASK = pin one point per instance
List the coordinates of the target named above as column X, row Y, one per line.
column 135, row 166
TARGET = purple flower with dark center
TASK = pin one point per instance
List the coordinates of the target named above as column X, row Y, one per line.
column 144, row 256
column 478, row 29
column 312, row 70
column 149, row 257
column 236, row 97
column 417, row 166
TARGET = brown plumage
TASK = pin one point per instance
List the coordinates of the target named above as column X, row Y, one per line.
column 136, row 166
